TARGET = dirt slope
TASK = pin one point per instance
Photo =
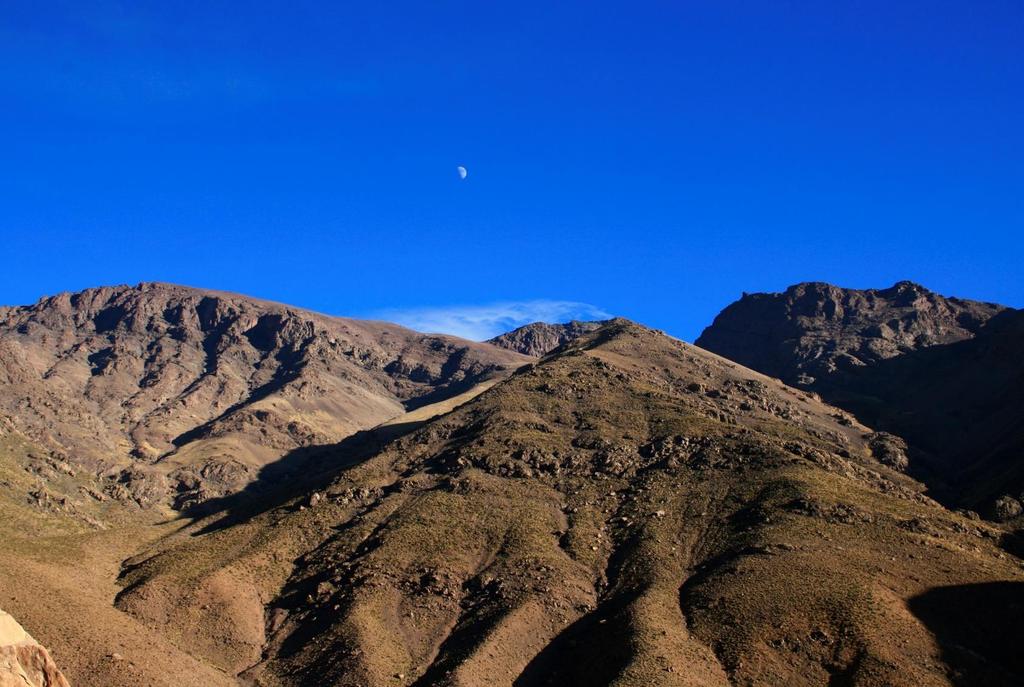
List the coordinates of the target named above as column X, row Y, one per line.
column 180, row 395
column 63, row 543
column 629, row 511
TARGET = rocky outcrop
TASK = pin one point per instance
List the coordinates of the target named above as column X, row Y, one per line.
column 889, row 450
column 540, row 338
column 179, row 395
column 1006, row 508
column 813, row 330
column 23, row 661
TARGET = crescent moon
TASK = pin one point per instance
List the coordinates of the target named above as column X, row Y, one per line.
column 463, row 172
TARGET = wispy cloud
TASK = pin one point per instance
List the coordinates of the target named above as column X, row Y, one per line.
column 480, row 322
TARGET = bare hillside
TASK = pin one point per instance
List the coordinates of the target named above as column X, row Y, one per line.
column 630, row 511
column 179, row 395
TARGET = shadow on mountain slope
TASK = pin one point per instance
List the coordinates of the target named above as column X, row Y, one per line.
column 959, row 405
column 306, row 470
column 588, row 652
column 978, row 628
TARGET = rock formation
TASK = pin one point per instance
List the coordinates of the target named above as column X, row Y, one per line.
column 23, row 661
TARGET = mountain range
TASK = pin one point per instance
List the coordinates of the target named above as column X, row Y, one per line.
column 179, row 395
column 207, row 489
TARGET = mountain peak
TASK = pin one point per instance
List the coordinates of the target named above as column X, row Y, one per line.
column 540, row 338
column 813, row 329
column 940, row 372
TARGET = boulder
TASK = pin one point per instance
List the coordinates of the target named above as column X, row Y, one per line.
column 889, row 450
column 23, row 661
column 1006, row 508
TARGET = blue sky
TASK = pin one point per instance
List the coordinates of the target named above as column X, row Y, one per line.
column 650, row 160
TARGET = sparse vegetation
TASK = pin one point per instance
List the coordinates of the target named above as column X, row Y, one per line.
column 628, row 510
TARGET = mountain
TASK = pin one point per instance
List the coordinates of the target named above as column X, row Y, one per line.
column 961, row 406
column 420, row 510
column 629, row 510
column 812, row 331
column 943, row 373
column 177, row 395
column 540, row 338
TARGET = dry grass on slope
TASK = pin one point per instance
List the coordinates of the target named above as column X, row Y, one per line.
column 630, row 511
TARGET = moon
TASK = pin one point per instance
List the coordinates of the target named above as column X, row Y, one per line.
column 463, row 172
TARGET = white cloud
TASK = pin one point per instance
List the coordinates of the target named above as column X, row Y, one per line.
column 480, row 322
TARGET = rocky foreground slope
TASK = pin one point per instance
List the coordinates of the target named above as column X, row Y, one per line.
column 945, row 374
column 23, row 661
column 177, row 395
column 631, row 510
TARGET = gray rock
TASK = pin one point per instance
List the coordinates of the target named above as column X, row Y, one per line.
column 1006, row 508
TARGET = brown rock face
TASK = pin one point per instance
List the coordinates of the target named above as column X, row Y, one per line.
column 23, row 661
column 176, row 393
column 813, row 330
column 540, row 338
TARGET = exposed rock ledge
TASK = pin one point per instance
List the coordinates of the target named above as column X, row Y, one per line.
column 23, row 661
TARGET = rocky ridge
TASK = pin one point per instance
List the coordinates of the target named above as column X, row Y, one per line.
column 813, row 331
column 945, row 374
